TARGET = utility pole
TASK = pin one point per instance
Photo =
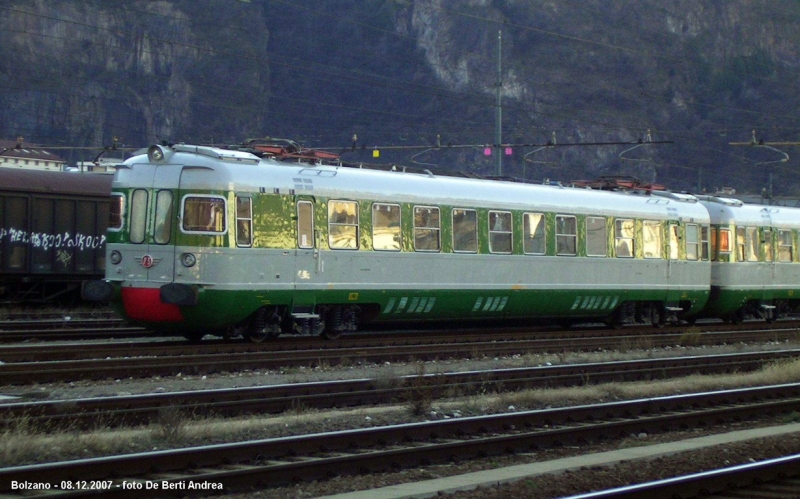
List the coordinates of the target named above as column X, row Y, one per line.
column 768, row 145
column 498, row 115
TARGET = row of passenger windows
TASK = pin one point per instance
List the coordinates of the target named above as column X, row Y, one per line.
column 205, row 214
column 343, row 226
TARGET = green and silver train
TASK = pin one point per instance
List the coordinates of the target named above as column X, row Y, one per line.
column 223, row 241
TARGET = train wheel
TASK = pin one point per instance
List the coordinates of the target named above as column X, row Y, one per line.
column 257, row 336
column 330, row 334
column 658, row 317
column 738, row 316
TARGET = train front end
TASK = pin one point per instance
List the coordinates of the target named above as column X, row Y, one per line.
column 170, row 233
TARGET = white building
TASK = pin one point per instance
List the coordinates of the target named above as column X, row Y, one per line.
column 17, row 154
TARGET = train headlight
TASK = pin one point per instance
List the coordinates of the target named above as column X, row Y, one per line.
column 155, row 154
column 115, row 257
column 188, row 260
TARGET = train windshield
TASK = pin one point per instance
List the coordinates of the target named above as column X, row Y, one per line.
column 116, row 212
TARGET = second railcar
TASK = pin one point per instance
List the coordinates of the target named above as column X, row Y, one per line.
column 52, row 233
column 755, row 271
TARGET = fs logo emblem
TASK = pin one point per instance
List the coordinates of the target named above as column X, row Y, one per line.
column 148, row 261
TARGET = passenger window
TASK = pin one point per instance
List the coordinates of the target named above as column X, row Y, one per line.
column 692, row 243
column 724, row 245
column 767, row 238
column 533, row 234
column 163, row 225
column 116, row 212
column 244, row 221
column 465, row 231
column 305, row 225
column 705, row 251
column 386, row 234
column 785, row 246
column 624, row 238
column 652, row 239
column 426, row 228
column 566, row 235
column 596, row 236
column 343, row 224
column 500, row 235
column 674, row 242
column 751, row 245
column 204, row 214
column 138, row 215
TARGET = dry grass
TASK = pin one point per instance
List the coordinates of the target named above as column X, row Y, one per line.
column 23, row 443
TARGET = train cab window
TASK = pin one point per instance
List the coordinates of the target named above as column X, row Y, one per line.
column 500, row 235
column 386, row 234
column 204, row 214
column 624, row 239
column 705, row 246
column 747, row 244
column 566, row 235
column 138, row 216
column 767, row 242
column 343, row 225
column 533, row 234
column 692, row 242
column 244, row 221
column 674, row 242
column 163, row 222
column 305, row 225
column 652, row 239
column 596, row 236
column 426, row 228
column 116, row 212
column 465, row 231
column 785, row 246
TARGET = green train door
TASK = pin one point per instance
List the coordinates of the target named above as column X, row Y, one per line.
column 159, row 258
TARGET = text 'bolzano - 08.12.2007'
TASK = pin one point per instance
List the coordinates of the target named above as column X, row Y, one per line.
column 239, row 241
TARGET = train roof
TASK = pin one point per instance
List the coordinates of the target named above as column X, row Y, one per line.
column 48, row 182
column 734, row 211
column 242, row 172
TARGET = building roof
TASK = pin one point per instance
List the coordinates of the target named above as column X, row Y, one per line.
column 26, row 151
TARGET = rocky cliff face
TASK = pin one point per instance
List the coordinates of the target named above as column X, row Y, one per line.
column 700, row 73
column 81, row 73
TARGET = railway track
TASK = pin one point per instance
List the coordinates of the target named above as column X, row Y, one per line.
column 281, row 461
column 774, row 478
column 51, row 363
column 137, row 409
column 65, row 327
